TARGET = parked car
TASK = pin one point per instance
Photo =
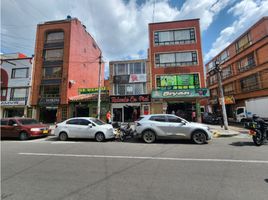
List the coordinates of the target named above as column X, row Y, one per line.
column 23, row 128
column 84, row 127
column 157, row 126
column 210, row 118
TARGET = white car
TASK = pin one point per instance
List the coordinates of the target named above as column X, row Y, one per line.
column 84, row 127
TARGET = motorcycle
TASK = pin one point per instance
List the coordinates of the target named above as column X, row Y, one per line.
column 258, row 129
column 126, row 132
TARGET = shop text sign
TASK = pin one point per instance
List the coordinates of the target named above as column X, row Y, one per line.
column 12, row 103
column 130, row 98
column 203, row 92
column 92, row 90
column 49, row 101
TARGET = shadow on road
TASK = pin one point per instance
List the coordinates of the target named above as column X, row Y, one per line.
column 241, row 144
column 266, row 180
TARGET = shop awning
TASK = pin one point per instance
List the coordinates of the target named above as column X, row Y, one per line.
column 88, row 97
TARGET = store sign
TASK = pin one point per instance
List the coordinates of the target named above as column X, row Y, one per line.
column 228, row 100
column 136, row 78
column 49, row 101
column 203, row 92
column 130, row 98
column 12, row 103
column 92, row 90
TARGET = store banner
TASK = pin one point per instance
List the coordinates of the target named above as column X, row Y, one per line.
column 130, row 98
column 228, row 100
column 202, row 92
column 136, row 78
column 13, row 103
column 49, row 101
column 92, row 90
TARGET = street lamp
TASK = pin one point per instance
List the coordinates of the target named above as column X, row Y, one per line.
column 224, row 115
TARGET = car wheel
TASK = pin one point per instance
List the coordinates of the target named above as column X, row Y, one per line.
column 24, row 136
column 63, row 136
column 148, row 136
column 199, row 137
column 99, row 137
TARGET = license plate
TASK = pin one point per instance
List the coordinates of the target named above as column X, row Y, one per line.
column 45, row 131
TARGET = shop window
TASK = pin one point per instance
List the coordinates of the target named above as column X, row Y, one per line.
column 19, row 73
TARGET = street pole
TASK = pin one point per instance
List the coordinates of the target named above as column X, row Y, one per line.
column 224, row 115
column 99, row 89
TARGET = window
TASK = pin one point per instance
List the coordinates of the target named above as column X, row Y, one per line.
column 183, row 36
column 3, row 122
column 52, row 72
column 213, row 79
column 73, row 122
column 50, row 91
column 224, row 56
column 250, row 83
column 239, row 111
column 84, row 122
column 3, row 92
column 226, row 72
column 214, row 92
column 243, row 43
column 11, row 122
column 28, row 121
column 130, row 89
column 228, row 89
column 129, row 68
column 246, row 63
column 173, row 119
column 18, row 94
column 98, row 122
column 54, row 54
column 120, row 69
column 55, row 37
column 176, row 82
column 158, row 118
column 176, row 59
column 19, row 73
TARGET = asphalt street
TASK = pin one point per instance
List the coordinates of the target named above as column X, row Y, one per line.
column 226, row 168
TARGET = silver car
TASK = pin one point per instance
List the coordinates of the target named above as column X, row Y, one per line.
column 84, row 127
column 156, row 126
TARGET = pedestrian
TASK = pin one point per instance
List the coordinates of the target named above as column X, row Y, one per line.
column 193, row 116
column 108, row 117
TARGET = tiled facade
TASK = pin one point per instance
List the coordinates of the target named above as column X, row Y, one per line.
column 244, row 65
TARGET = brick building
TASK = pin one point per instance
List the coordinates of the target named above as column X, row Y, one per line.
column 66, row 59
column 177, row 70
column 244, row 65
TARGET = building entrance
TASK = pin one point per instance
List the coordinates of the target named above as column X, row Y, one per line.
column 48, row 114
column 131, row 113
column 183, row 110
column 14, row 112
column 82, row 111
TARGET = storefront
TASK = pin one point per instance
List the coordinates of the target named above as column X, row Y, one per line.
column 128, row 108
column 13, row 109
column 48, row 109
column 184, row 103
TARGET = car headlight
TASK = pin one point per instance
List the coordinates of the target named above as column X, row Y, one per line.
column 35, row 129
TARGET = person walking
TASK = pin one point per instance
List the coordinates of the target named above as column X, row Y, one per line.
column 108, row 117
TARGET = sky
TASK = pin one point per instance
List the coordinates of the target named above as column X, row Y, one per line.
column 120, row 27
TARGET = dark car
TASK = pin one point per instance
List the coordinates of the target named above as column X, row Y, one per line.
column 23, row 128
column 210, row 118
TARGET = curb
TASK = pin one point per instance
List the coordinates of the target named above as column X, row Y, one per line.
column 217, row 134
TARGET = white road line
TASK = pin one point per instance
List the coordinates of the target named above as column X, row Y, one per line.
column 147, row 158
column 62, row 142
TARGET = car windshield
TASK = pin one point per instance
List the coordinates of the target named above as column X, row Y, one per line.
column 28, row 121
column 97, row 121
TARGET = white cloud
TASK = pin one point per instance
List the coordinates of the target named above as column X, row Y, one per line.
column 247, row 13
column 119, row 27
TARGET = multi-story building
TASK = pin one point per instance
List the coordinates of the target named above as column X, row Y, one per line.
column 66, row 59
column 244, row 65
column 129, row 89
column 16, row 71
column 177, row 73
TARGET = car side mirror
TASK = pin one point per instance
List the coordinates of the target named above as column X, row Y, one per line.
column 183, row 122
column 90, row 125
column 15, row 125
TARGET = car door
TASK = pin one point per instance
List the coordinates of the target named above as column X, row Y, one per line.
column 86, row 129
column 177, row 127
column 73, row 126
column 12, row 129
column 4, row 127
column 159, row 124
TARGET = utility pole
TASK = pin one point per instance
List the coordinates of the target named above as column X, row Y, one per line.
column 224, row 115
column 99, row 89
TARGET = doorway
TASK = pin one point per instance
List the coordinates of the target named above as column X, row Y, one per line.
column 48, row 115
column 82, row 111
column 183, row 110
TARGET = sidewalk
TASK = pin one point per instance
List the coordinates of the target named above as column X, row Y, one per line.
column 232, row 131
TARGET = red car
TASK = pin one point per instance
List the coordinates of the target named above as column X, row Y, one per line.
column 23, row 128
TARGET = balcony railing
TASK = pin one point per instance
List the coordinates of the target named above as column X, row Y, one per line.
column 250, row 65
column 251, row 88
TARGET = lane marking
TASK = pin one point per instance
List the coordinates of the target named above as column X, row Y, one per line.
column 146, row 158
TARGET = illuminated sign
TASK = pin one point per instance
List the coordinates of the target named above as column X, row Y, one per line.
column 203, row 92
column 130, row 98
column 92, row 90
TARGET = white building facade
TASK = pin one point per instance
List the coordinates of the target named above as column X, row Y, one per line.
column 16, row 73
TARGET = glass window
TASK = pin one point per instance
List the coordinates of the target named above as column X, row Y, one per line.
column 11, row 122
column 50, row 91
column 182, row 35
column 121, row 69
column 52, row 72
column 159, row 118
column 243, row 43
column 28, row 121
column 137, row 68
column 3, row 122
column 19, row 73
column 73, row 122
column 176, row 59
column 224, row 56
column 166, row 36
column 228, row 89
column 173, row 119
column 18, row 93
column 97, row 121
column 54, row 54
column 55, row 37
column 84, row 122
column 3, row 92
column 226, row 72
column 250, row 83
column 239, row 111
